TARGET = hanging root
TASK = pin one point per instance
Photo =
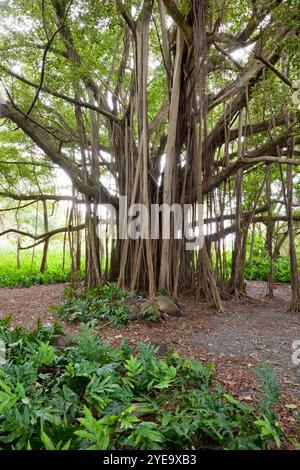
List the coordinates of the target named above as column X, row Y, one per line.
column 294, row 307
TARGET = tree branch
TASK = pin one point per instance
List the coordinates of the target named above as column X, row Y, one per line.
column 66, row 98
column 274, row 69
column 129, row 20
column 43, row 236
column 178, row 18
column 40, row 137
column 40, row 197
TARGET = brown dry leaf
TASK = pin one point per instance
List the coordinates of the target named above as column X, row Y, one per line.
column 246, row 398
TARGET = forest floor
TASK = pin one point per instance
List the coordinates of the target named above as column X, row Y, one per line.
column 251, row 331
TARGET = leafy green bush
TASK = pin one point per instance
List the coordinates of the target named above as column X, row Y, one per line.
column 282, row 269
column 260, row 268
column 92, row 396
column 102, row 303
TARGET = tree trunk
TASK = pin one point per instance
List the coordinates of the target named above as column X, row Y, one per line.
column 165, row 282
column 46, row 243
column 269, row 235
column 295, row 284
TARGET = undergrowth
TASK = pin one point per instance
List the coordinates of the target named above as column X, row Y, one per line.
column 260, row 267
column 92, row 396
column 28, row 274
column 101, row 303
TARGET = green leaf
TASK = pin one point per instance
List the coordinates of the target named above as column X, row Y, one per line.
column 47, row 441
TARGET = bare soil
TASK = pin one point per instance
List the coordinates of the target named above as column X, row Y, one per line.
column 28, row 304
column 257, row 330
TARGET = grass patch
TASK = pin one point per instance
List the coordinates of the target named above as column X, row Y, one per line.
column 27, row 275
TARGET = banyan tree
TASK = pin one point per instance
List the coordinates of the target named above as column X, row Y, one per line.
column 176, row 102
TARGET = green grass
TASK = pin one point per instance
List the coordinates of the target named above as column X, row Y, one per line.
column 89, row 395
column 10, row 275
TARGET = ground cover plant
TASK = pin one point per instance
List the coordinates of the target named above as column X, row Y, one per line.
column 92, row 396
column 29, row 273
column 100, row 303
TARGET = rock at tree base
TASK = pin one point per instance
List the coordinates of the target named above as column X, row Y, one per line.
column 160, row 306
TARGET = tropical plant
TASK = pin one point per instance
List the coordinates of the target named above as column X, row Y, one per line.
column 92, row 396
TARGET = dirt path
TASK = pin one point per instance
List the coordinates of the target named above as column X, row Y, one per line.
column 236, row 341
column 257, row 331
